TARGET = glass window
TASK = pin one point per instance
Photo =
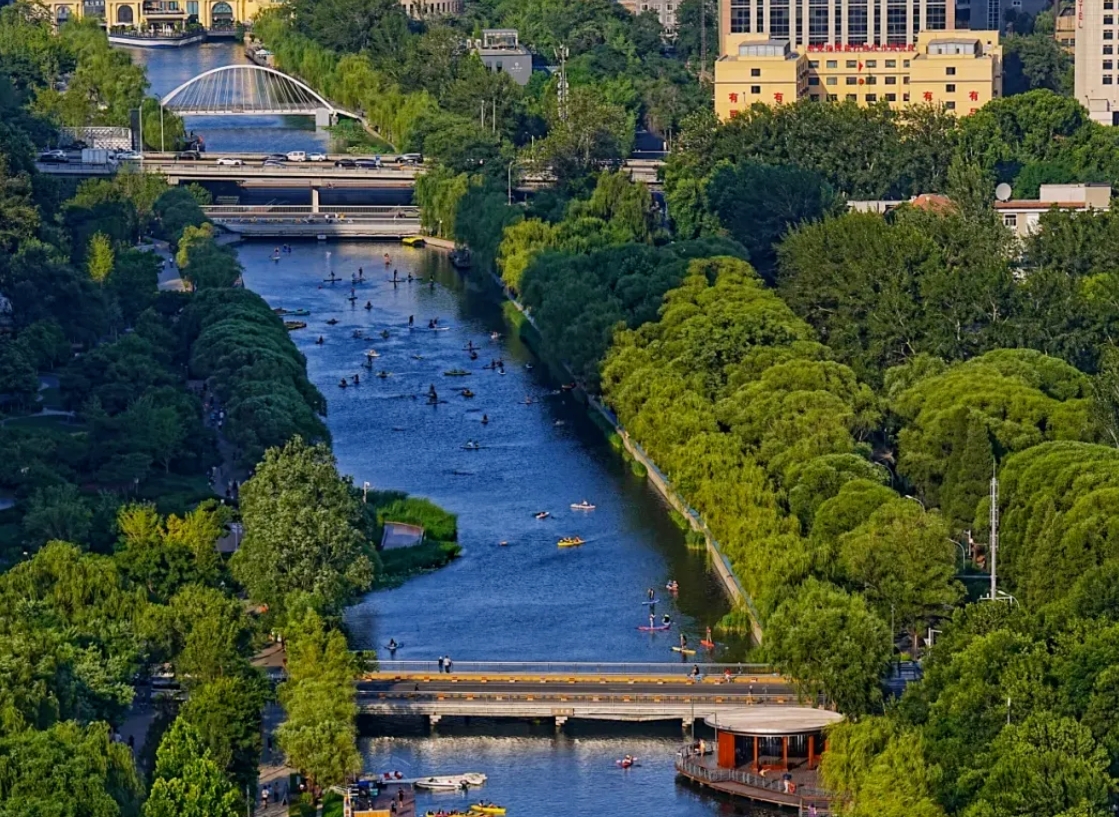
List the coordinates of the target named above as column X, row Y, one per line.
column 833, row 81
column 872, row 80
column 757, row 89
column 813, row 80
column 852, row 97
column 891, row 80
column 813, row 63
column 833, row 63
column 832, row 98
column 1107, row 79
column 852, row 80
column 950, row 71
column 755, row 72
column 950, row 106
column 872, row 97
column 891, row 63
column 852, row 63
column 905, row 63
column 872, row 63
column 1107, row 64
column 1109, row 19
column 192, row 7
column 1108, row 49
column 891, row 97
column 950, row 88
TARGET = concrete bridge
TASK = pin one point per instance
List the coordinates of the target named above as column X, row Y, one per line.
column 601, row 692
column 290, row 221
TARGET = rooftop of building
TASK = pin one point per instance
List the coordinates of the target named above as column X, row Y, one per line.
column 775, row 721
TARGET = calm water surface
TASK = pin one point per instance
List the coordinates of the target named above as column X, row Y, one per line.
column 526, row 601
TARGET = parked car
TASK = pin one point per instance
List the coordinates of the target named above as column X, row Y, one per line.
column 273, row 163
column 297, row 156
column 228, row 161
column 54, row 157
column 410, row 159
column 345, row 163
column 188, row 156
column 316, row 157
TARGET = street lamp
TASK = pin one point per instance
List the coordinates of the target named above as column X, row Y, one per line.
column 509, row 183
column 963, row 554
column 915, row 499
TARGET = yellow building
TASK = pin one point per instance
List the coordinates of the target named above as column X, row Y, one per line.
column 961, row 70
column 161, row 15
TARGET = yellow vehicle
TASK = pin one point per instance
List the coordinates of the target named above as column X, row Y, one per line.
column 481, row 808
column 570, row 542
column 412, row 241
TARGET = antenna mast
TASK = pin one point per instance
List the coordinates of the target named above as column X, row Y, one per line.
column 994, row 536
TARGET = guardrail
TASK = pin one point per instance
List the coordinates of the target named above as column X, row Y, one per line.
column 763, row 672
column 691, row 768
column 306, row 209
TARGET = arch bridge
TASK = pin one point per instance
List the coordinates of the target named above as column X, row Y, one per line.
column 251, row 90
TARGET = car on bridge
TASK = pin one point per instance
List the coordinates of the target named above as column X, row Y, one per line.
column 188, row 156
column 316, row 157
column 53, row 157
column 410, row 159
column 229, row 161
column 270, row 162
column 297, row 156
column 345, row 163
column 367, row 164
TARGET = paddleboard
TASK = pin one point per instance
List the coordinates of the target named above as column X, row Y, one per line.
column 650, row 603
column 393, row 649
column 684, row 650
column 660, row 627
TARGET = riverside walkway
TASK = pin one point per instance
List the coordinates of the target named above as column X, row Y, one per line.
column 588, row 691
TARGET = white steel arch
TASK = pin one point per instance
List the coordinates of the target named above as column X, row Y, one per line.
column 247, row 89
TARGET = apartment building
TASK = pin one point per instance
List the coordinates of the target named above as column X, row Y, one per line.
column 1097, row 80
column 1023, row 216
column 961, row 70
column 214, row 15
column 1065, row 28
column 664, row 9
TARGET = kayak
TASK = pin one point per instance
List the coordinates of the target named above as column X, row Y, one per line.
column 708, row 644
column 645, row 628
column 570, row 542
column 684, row 650
column 487, row 809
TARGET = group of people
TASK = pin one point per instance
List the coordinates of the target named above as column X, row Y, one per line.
column 446, row 664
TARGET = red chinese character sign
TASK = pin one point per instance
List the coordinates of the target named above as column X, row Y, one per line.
column 779, row 97
column 973, row 96
column 734, row 97
column 928, row 96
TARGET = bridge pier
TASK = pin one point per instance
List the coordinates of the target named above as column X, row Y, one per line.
column 323, row 118
column 560, row 721
column 314, row 199
column 434, row 719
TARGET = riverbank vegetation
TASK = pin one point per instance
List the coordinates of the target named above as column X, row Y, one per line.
column 832, row 392
column 125, row 407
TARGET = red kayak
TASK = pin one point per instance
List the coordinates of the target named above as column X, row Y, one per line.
column 657, row 629
column 708, row 644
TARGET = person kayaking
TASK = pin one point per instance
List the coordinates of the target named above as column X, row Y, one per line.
column 485, row 419
column 431, row 324
column 473, row 355
column 368, row 304
column 392, row 644
column 385, row 334
column 666, row 619
column 320, row 341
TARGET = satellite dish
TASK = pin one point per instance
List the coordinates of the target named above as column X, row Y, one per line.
column 1002, row 192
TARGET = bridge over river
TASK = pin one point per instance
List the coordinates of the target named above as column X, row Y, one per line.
column 585, row 691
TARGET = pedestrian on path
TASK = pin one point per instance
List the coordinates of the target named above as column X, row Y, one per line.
column 450, row 664
column 442, row 662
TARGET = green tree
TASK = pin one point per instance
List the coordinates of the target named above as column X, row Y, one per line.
column 832, row 644
column 99, row 258
column 902, row 560
column 226, row 712
column 302, row 530
column 57, row 513
column 187, row 782
column 19, row 382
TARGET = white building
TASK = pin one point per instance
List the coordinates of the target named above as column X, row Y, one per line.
column 1097, row 81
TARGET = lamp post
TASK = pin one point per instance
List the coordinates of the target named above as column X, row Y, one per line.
column 963, row 554
column 162, row 143
column 509, row 183
column 915, row 499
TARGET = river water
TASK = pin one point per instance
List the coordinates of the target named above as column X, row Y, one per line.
column 527, row 600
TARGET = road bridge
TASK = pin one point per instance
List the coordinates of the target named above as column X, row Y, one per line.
column 601, row 692
column 288, row 221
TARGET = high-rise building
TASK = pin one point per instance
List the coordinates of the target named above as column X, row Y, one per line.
column 1097, row 36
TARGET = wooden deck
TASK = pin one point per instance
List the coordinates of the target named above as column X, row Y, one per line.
column 802, row 796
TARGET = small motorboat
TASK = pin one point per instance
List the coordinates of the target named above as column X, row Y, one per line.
column 383, row 374
column 582, row 506
column 542, row 514
column 571, row 542
column 372, row 353
column 656, row 628
column 503, row 544
column 417, row 357
column 489, row 808
column 471, row 446
column 291, row 326
column 456, row 373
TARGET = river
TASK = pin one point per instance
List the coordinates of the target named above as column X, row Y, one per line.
column 528, row 600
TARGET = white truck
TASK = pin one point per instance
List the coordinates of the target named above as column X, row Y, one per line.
column 95, row 156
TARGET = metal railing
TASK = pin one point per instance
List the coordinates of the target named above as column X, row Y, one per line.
column 669, row 702
column 763, row 672
column 686, row 765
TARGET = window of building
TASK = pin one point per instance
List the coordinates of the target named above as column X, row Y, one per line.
column 950, row 88
column 740, row 17
column 852, row 63
column 1109, row 19
column 832, row 98
column 950, row 105
column 905, row 97
column 1107, row 79
column 755, row 72
column 833, row 81
column 1107, row 64
column 755, row 89
column 1010, row 219
column 905, row 63
column 891, row 97
column 852, row 80
column 891, row 63
column 872, row 97
column 813, row 63
column 833, row 63
column 872, row 80
column 1108, row 34
column 950, row 71
column 891, row 80
column 192, row 7
column 872, row 63
column 905, row 80
column 813, row 80
column 852, row 97
column 1109, row 49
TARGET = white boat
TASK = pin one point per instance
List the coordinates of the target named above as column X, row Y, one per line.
column 450, row 782
column 372, row 353
column 582, row 506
